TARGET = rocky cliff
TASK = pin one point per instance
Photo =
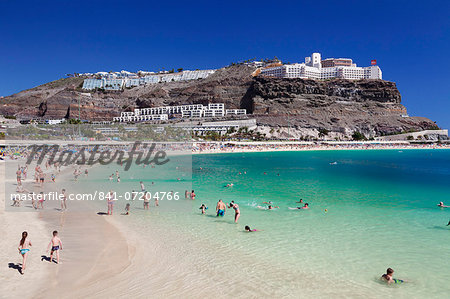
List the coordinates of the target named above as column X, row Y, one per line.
column 299, row 105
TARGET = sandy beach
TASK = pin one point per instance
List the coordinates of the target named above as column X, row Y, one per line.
column 93, row 251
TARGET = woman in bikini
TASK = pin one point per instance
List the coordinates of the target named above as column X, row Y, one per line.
column 24, row 250
column 237, row 212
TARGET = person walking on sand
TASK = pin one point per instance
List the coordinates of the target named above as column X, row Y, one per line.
column 221, row 208
column 56, row 245
column 19, row 176
column 41, row 178
column 111, row 198
column 146, row 198
column 24, row 250
column 41, row 199
column 63, row 200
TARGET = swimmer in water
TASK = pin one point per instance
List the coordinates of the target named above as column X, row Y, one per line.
column 305, row 207
column 267, row 202
column 388, row 277
column 441, row 205
column 269, row 207
column 301, row 201
column 248, row 229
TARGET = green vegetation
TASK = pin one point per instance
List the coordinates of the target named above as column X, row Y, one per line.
column 358, row 136
column 74, row 121
column 323, row 132
column 10, row 117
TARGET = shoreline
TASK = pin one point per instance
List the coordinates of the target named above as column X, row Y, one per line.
column 311, row 149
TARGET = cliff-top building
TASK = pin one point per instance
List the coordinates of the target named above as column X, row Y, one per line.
column 316, row 68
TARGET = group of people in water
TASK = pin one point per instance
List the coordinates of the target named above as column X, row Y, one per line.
column 25, row 244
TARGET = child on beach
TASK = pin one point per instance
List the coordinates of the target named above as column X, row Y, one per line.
column 203, row 208
column 388, row 277
column 56, row 244
column 127, row 209
column 24, row 250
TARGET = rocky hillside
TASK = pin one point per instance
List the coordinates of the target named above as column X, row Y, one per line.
column 303, row 106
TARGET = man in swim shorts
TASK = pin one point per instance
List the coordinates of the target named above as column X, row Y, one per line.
column 220, row 208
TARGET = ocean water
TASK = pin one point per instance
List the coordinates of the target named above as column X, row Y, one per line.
column 368, row 211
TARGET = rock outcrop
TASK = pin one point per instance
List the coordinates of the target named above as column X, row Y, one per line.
column 305, row 106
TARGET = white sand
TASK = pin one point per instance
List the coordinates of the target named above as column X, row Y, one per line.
column 12, row 224
column 93, row 252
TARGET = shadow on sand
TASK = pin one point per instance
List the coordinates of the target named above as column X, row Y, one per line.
column 17, row 267
column 47, row 258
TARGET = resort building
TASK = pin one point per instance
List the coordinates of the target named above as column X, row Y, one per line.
column 184, row 111
column 316, row 68
column 124, row 79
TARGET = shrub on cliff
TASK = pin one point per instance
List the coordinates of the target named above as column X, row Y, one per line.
column 358, row 136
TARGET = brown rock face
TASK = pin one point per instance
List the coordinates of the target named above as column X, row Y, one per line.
column 370, row 106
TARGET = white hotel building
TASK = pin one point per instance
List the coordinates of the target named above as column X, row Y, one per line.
column 120, row 80
column 316, row 68
column 186, row 111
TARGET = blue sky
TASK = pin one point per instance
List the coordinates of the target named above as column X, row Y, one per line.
column 41, row 41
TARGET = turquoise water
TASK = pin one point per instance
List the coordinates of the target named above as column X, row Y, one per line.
column 381, row 212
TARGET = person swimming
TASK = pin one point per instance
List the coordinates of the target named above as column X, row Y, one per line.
column 269, row 207
column 305, row 207
column 248, row 229
column 388, row 277
column 441, row 205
